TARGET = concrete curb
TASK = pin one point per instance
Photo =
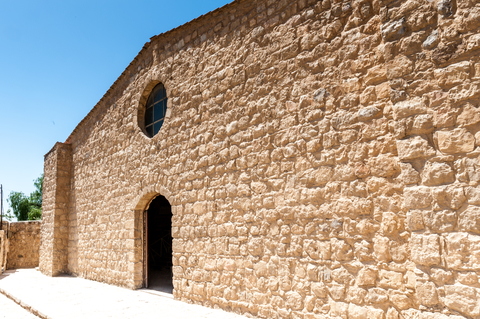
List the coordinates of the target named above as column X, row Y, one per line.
column 24, row 305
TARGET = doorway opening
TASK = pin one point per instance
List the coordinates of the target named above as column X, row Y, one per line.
column 158, row 248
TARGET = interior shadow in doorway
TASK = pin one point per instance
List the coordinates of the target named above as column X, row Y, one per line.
column 160, row 245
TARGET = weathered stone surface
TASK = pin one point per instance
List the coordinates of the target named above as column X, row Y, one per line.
column 462, row 251
column 469, row 116
column 366, row 277
column 427, row 294
column 394, row 30
column 469, row 220
column 413, row 148
column 435, row 173
column 319, row 158
column 21, row 248
column 456, row 141
column 417, row 197
column 408, row 174
column 462, row 299
column 409, row 107
column 425, row 249
column 453, row 74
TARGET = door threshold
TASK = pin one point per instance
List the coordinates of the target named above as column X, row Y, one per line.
column 157, row 293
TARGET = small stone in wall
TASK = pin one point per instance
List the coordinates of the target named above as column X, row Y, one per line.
column 394, row 30
column 431, row 41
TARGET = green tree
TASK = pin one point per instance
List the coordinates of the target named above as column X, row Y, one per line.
column 20, row 205
column 27, row 207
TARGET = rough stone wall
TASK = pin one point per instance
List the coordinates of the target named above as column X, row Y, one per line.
column 23, row 244
column 3, row 251
column 55, row 210
column 321, row 159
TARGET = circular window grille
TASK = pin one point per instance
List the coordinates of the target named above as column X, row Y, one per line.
column 155, row 110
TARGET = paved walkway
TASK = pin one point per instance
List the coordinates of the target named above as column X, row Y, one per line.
column 71, row 297
column 9, row 309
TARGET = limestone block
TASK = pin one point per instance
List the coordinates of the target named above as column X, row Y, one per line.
column 337, row 291
column 367, row 113
column 413, row 148
column 453, row 74
column 384, row 165
column 467, row 278
column 394, row 30
column 469, row 115
column 319, row 289
column 399, row 67
column 375, row 313
column 469, row 219
column 381, row 249
column 417, row 197
column 438, row 315
column 427, row 294
column 415, row 220
column 377, row 296
column 318, row 177
column 473, row 195
column 408, row 108
column 344, row 173
column 341, row 251
column 440, row 221
column 441, row 276
column 357, row 312
column 390, row 279
column 437, row 173
column 408, row 174
column 318, row 249
column 447, row 197
column 392, row 313
column 294, row 300
column 375, row 75
column 338, row 309
column 456, row 141
column 463, row 92
column 356, row 295
column 400, row 300
column 425, row 249
column 462, row 251
column 463, row 299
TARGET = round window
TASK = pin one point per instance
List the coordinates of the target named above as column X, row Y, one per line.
column 155, row 110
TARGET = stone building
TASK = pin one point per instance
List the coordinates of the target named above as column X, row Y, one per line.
column 310, row 159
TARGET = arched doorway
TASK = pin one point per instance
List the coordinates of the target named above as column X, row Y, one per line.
column 158, row 245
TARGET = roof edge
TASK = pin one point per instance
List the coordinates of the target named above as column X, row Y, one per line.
column 141, row 52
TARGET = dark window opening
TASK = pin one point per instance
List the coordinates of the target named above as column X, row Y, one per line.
column 155, row 110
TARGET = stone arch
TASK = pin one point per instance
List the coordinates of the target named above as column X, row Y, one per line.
column 140, row 204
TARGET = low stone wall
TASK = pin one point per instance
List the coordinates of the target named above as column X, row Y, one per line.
column 3, row 251
column 22, row 245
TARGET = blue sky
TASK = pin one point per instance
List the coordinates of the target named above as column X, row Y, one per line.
column 58, row 58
